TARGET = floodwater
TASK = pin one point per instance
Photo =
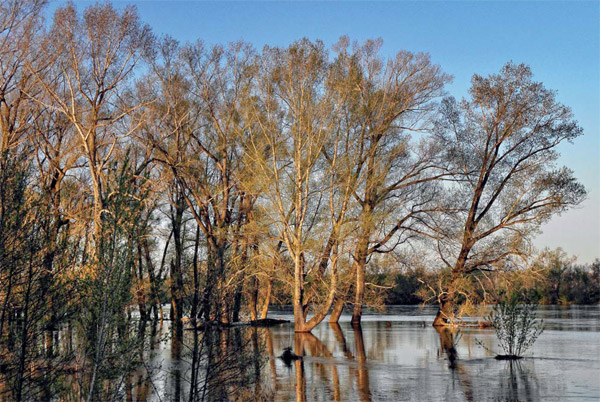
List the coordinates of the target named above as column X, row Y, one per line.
column 398, row 356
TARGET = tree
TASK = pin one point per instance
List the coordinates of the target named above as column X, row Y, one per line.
column 90, row 63
column 18, row 20
column 25, row 214
column 382, row 103
column 293, row 118
column 199, row 137
column 501, row 147
column 94, row 58
column 557, row 264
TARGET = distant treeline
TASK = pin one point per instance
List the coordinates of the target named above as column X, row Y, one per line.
column 555, row 284
column 552, row 278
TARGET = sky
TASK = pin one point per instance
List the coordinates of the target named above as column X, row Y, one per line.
column 558, row 39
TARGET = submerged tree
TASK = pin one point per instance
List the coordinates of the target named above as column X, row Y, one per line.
column 501, row 147
column 383, row 103
column 198, row 136
column 90, row 62
column 26, row 216
column 293, row 120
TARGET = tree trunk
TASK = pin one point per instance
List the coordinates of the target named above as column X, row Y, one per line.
column 319, row 315
column 444, row 311
column 337, row 310
column 223, row 301
column 299, row 322
column 140, row 293
column 206, row 311
column 446, row 300
column 237, row 303
column 196, row 300
column 253, row 299
column 176, row 276
column 360, row 264
column 154, row 285
column 265, row 308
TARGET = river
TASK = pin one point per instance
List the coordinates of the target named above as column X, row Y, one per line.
column 395, row 356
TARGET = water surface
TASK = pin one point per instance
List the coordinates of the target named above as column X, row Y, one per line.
column 398, row 356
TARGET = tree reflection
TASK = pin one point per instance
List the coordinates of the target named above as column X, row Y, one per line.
column 176, row 348
column 339, row 336
column 226, row 364
column 308, row 345
column 362, row 381
column 518, row 383
column 304, row 342
column 299, row 365
column 448, row 340
column 341, row 339
column 231, row 364
column 268, row 335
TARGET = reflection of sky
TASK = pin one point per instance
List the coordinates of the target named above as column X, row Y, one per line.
column 405, row 360
column 559, row 40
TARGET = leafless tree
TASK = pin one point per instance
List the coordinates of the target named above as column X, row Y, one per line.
column 384, row 103
column 501, row 143
column 95, row 57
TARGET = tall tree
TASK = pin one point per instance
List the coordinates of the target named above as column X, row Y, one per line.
column 18, row 28
column 205, row 126
column 95, row 57
column 384, row 103
column 501, row 145
column 293, row 119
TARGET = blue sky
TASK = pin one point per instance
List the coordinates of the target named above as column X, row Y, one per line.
column 559, row 40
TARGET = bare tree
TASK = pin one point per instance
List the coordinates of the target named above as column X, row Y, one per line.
column 24, row 212
column 294, row 119
column 385, row 102
column 286, row 172
column 206, row 125
column 18, row 20
column 95, row 57
column 501, row 144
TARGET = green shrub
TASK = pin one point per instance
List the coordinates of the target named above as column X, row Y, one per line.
column 516, row 327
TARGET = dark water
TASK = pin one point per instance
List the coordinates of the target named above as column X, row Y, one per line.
column 398, row 356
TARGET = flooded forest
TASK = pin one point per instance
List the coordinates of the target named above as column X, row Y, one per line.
column 192, row 221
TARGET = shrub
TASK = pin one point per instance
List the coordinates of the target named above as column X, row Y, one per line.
column 516, row 327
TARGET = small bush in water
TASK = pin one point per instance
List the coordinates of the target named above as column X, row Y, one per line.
column 516, row 327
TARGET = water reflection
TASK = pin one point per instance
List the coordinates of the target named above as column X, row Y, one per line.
column 362, row 379
column 449, row 338
column 392, row 357
column 325, row 367
column 518, row 382
column 407, row 360
column 324, row 370
column 305, row 343
column 213, row 365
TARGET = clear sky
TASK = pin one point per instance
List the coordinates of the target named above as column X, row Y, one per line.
column 558, row 39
